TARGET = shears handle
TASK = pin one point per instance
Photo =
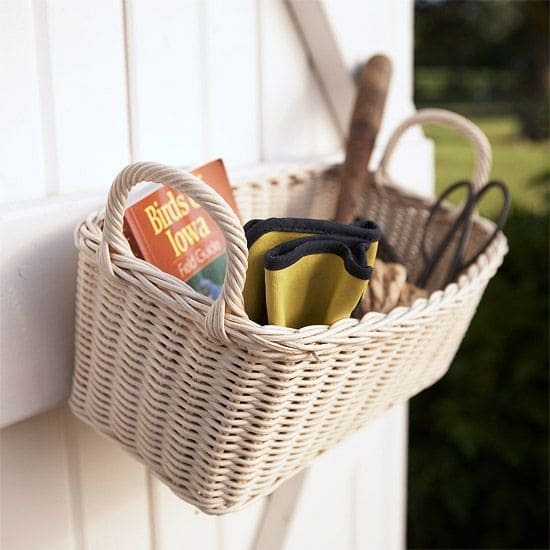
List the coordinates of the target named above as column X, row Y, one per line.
column 460, row 224
column 500, row 221
column 460, row 230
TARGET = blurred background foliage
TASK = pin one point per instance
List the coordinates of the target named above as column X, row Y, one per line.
column 485, row 52
column 478, row 464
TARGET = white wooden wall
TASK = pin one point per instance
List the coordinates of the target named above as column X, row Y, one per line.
column 87, row 86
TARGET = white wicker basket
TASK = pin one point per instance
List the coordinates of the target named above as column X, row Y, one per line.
column 220, row 408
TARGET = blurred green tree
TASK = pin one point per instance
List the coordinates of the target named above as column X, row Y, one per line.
column 503, row 35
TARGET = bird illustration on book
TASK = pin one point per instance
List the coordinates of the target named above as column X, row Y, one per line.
column 206, row 287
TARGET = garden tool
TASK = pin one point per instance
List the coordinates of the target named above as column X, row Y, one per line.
column 365, row 123
column 458, row 234
column 307, row 272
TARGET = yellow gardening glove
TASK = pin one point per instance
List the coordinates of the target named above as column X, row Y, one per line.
column 303, row 272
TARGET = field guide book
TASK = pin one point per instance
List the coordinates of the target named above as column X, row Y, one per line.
column 176, row 234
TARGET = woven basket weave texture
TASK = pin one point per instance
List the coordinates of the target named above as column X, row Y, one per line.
column 224, row 410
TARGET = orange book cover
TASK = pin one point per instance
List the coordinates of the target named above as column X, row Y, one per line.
column 175, row 233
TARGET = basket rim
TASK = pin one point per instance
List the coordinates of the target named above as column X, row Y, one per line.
column 311, row 338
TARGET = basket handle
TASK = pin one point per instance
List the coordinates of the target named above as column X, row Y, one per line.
column 231, row 295
column 442, row 117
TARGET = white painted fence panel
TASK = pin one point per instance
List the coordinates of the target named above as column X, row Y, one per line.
column 295, row 121
column 112, row 503
column 167, row 95
column 35, row 504
column 179, row 526
column 380, row 479
column 238, row 530
column 21, row 153
column 86, row 40
column 178, row 82
column 327, row 495
column 230, row 60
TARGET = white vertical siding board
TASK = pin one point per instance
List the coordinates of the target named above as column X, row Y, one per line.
column 397, row 461
column 324, row 139
column 295, row 120
column 333, row 74
column 47, row 100
column 371, row 480
column 278, row 515
column 325, row 516
column 179, row 526
column 35, row 505
column 380, row 470
column 238, row 530
column 232, row 80
column 165, row 80
column 21, row 153
column 73, row 476
column 113, row 492
column 89, row 86
column 361, row 30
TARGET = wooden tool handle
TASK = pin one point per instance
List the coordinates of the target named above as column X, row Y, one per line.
column 365, row 122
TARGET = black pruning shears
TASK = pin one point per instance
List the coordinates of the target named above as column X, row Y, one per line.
column 461, row 228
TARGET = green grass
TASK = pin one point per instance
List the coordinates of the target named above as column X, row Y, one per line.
column 524, row 165
column 433, row 83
